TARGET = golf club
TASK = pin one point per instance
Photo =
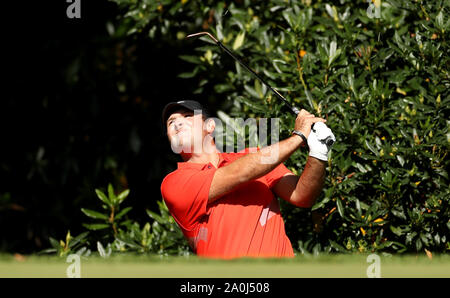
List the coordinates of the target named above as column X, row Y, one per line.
column 294, row 110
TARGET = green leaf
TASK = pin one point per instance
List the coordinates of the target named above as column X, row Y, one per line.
column 101, row 250
column 327, row 198
column 188, row 75
column 156, row 217
column 191, row 59
column 418, row 244
column 333, row 53
column 123, row 195
column 338, row 247
column 252, row 91
column 396, row 230
column 101, row 195
column 255, row 106
column 47, row 251
column 78, row 239
column 361, row 168
column 81, row 236
column 239, row 40
column 260, row 89
column 371, row 148
column 54, row 243
column 440, row 20
column 94, row 214
column 399, row 214
column 400, row 159
column 340, row 207
column 123, row 212
column 68, row 238
column 220, row 88
column 95, row 227
column 287, row 15
column 128, row 242
column 111, row 194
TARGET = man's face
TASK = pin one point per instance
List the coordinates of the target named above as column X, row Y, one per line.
column 184, row 129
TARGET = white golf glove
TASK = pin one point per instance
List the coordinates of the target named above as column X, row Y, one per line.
column 320, row 141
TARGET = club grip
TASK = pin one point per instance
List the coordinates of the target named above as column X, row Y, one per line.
column 295, row 110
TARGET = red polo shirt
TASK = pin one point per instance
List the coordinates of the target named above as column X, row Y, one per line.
column 245, row 222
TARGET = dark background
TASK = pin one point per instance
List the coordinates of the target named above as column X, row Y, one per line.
column 81, row 109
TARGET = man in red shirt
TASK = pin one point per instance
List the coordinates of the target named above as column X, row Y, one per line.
column 226, row 203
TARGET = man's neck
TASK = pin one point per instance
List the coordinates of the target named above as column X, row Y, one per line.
column 208, row 155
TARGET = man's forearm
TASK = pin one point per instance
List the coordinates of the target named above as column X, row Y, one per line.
column 252, row 166
column 311, row 182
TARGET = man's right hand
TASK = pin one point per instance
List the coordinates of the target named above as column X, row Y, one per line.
column 304, row 122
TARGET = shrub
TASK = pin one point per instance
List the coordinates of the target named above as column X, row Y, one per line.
column 114, row 232
column 382, row 82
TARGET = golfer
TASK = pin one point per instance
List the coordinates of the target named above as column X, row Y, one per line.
column 226, row 203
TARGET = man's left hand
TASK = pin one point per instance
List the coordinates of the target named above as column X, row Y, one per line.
column 317, row 141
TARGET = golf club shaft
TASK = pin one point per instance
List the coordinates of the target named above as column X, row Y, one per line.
column 294, row 110
column 277, row 94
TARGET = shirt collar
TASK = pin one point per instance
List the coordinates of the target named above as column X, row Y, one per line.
column 223, row 160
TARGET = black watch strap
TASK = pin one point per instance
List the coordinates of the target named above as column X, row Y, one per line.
column 300, row 134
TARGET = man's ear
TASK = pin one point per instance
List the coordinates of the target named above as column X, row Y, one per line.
column 210, row 125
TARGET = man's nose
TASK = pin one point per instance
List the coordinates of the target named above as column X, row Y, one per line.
column 178, row 124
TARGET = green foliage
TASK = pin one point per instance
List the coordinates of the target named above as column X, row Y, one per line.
column 162, row 236
column 382, row 83
column 167, row 236
column 71, row 245
column 112, row 219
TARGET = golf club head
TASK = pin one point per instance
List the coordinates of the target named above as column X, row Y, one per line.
column 201, row 34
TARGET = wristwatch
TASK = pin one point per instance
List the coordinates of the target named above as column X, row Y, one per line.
column 300, row 134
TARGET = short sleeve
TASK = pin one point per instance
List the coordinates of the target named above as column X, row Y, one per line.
column 276, row 174
column 185, row 193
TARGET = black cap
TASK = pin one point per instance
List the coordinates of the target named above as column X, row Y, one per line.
column 186, row 104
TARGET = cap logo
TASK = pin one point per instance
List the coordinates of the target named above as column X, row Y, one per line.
column 181, row 101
